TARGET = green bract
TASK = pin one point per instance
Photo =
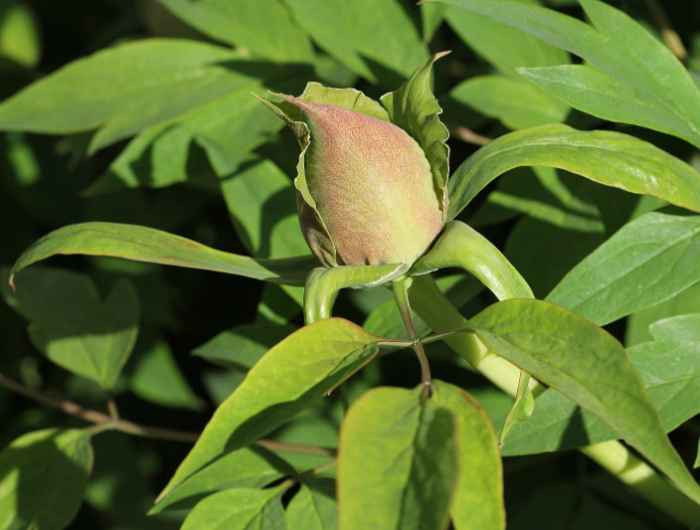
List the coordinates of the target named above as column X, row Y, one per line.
column 371, row 177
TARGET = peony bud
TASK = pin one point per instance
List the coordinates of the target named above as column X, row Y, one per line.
column 369, row 196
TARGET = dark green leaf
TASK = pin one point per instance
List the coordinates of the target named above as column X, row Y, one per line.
column 43, row 476
column 411, row 449
column 139, row 243
column 73, row 327
column 289, row 378
column 605, row 157
column 587, row 365
column 649, row 260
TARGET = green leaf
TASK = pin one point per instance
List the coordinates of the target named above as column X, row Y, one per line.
column 478, row 497
column 265, row 28
column 139, row 243
column 461, row 246
column 262, row 201
column 670, row 370
column 314, row 507
column 242, row 346
column 587, row 365
column 649, row 260
column 606, row 157
column 654, row 88
column 505, row 47
column 516, row 103
column 687, row 301
column 43, row 476
column 390, row 46
column 413, row 107
column 292, row 376
column 125, row 89
column 239, row 509
column 157, row 378
column 411, row 449
column 249, row 467
column 73, row 327
column 323, row 284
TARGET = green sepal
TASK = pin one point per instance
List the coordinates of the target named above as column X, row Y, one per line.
column 462, row 246
column 413, row 107
column 323, row 284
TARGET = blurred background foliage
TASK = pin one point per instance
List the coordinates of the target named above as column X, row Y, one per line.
column 211, row 165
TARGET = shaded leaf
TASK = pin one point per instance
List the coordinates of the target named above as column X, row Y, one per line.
column 314, row 506
column 390, row 47
column 265, row 27
column 43, row 476
column 249, row 467
column 292, row 376
column 239, row 509
column 139, row 243
column 478, row 496
column 73, row 327
column 606, row 157
column 411, row 449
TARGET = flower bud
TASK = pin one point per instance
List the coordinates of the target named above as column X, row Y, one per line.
column 372, row 196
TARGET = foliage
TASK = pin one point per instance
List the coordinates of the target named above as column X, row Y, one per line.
column 557, row 309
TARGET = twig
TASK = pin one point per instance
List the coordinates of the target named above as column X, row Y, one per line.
column 103, row 422
column 468, row 136
column 672, row 39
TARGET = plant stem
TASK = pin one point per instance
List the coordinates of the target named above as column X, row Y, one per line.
column 400, row 288
column 103, row 422
column 433, row 307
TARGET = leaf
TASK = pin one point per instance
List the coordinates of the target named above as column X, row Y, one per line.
column 73, row 327
column 587, row 365
column 19, row 34
column 157, row 378
column 249, row 467
column 649, row 260
column 139, row 243
column 238, row 509
column 262, row 201
column 323, row 284
column 314, row 506
column 478, row 497
column 125, row 89
column 265, row 28
column 242, row 346
column 413, row 107
column 662, row 94
column 411, row 449
column 505, row 47
column 517, row 104
column 43, row 475
column 390, row 46
column 292, row 376
column 461, row 246
column 606, row 157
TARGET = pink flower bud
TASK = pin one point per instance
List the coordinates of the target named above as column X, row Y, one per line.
column 372, row 187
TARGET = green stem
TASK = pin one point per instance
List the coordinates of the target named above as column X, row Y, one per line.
column 400, row 288
column 437, row 311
